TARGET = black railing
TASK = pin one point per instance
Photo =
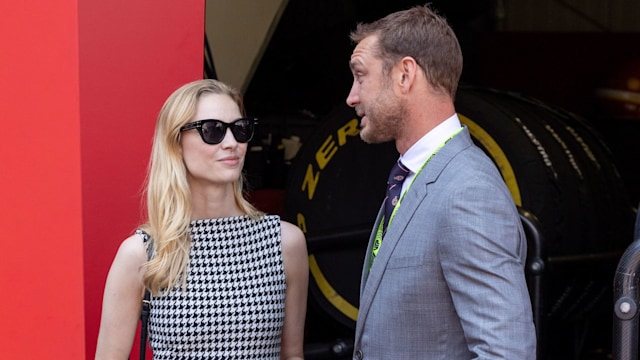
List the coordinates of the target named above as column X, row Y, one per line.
column 625, row 301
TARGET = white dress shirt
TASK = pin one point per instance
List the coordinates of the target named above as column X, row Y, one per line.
column 417, row 154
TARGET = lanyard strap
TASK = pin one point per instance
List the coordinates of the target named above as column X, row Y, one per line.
column 380, row 233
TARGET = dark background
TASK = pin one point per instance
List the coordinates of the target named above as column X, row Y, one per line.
column 303, row 77
column 304, row 72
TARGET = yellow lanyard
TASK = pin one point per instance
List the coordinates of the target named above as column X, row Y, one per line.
column 379, row 233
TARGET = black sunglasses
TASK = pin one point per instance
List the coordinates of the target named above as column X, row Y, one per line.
column 212, row 131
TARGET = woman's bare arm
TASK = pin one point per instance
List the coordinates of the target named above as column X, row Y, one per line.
column 122, row 301
column 296, row 263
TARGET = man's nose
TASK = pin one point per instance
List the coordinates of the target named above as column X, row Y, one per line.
column 352, row 98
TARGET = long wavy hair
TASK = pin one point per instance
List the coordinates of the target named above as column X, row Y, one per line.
column 168, row 196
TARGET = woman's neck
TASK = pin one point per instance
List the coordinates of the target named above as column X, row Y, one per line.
column 214, row 203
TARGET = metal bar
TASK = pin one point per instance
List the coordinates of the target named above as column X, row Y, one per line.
column 535, row 269
column 625, row 301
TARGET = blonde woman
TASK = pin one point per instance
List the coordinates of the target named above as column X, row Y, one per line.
column 227, row 281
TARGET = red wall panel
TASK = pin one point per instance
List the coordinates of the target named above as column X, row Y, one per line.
column 81, row 83
column 42, row 303
column 133, row 54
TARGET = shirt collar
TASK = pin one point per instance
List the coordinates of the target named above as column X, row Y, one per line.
column 423, row 148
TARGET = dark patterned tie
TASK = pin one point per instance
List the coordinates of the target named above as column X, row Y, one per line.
column 394, row 186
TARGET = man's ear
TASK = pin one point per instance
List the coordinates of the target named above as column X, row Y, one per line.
column 408, row 71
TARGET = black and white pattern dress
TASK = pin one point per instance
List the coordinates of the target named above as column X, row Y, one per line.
column 232, row 306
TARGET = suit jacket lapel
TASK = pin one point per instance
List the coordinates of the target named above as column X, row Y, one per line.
column 367, row 257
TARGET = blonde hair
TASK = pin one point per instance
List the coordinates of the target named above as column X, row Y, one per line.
column 168, row 196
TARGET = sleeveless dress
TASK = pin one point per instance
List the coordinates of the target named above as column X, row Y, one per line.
column 232, row 306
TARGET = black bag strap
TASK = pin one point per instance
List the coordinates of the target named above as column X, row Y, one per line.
column 144, row 319
column 146, row 301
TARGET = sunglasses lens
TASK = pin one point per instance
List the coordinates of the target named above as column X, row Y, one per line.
column 242, row 130
column 213, row 132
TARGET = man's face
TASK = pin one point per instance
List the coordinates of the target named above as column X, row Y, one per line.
column 372, row 94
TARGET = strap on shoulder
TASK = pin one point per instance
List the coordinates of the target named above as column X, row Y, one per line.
column 146, row 302
column 148, row 243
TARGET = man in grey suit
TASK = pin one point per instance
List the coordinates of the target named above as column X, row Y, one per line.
column 445, row 278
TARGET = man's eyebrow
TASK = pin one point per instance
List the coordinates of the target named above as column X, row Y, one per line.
column 354, row 63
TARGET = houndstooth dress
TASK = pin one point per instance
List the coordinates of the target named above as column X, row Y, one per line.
column 233, row 304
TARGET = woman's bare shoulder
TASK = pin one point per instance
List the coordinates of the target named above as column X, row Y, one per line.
column 293, row 239
column 132, row 250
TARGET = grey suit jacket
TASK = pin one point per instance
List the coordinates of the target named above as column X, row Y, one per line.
column 448, row 281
